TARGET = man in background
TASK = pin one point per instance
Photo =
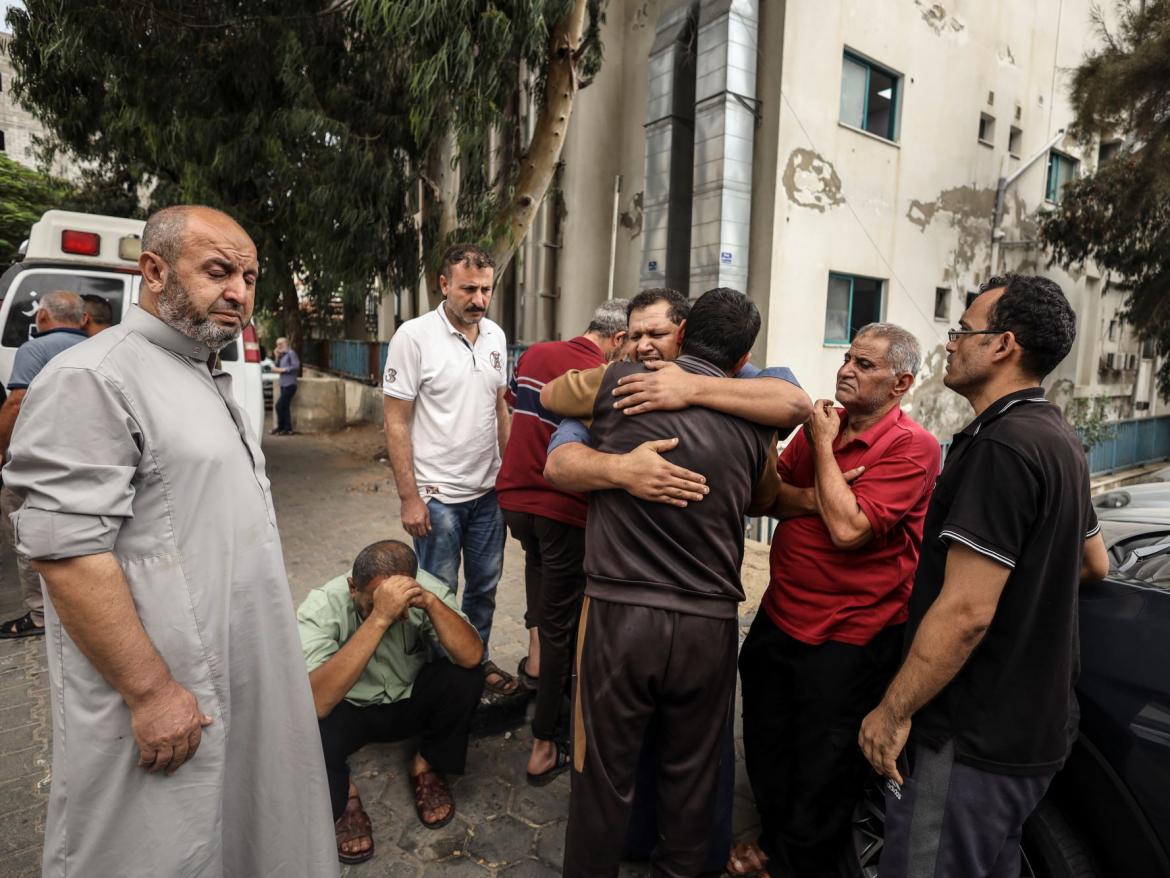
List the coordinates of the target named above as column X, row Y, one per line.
column 59, row 320
column 550, row 525
column 99, row 314
column 288, row 366
column 447, row 425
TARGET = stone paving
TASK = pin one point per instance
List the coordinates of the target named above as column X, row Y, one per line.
column 332, row 498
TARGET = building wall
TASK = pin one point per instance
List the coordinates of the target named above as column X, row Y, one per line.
column 916, row 213
column 19, row 126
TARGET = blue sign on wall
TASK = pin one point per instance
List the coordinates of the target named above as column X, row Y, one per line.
column 652, row 265
column 725, row 257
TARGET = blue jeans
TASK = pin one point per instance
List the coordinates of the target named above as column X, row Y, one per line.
column 475, row 530
column 284, row 408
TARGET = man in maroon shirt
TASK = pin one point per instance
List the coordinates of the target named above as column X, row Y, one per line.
column 550, row 524
column 827, row 639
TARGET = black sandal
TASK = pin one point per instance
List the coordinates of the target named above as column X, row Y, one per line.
column 560, row 764
column 22, row 627
column 526, row 679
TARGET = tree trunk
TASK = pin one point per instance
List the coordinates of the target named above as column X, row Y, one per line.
column 440, row 200
column 540, row 162
column 290, row 308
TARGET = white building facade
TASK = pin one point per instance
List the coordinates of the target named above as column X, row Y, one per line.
column 839, row 163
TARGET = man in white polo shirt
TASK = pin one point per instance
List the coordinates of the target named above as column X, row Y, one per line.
column 446, row 428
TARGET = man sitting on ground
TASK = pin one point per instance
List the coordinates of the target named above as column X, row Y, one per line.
column 367, row 639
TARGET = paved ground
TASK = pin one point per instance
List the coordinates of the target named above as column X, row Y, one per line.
column 333, row 497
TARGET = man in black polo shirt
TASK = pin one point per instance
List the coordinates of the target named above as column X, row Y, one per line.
column 658, row 631
column 1009, row 535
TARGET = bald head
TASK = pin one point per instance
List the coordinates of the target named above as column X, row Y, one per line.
column 166, row 229
column 61, row 309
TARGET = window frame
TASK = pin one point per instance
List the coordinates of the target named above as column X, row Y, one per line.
column 949, row 294
column 1015, row 141
column 1052, row 194
column 831, row 342
column 894, row 128
column 986, row 120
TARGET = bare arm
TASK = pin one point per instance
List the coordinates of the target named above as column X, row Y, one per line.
column 1095, row 564
column 456, row 635
column 951, row 629
column 8, row 413
column 397, row 414
column 771, row 401
column 503, row 420
column 93, row 602
column 792, row 501
column 847, row 524
column 642, row 472
column 332, row 680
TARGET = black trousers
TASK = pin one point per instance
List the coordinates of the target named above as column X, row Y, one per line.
column 438, row 711
column 802, row 710
column 637, row 665
column 283, row 408
column 554, row 581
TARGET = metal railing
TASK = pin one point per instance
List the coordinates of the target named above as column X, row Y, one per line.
column 1135, row 442
column 363, row 361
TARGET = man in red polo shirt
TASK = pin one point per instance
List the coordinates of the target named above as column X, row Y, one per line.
column 550, row 525
column 828, row 636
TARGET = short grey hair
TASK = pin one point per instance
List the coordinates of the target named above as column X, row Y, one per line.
column 164, row 230
column 610, row 318
column 63, row 306
column 904, row 354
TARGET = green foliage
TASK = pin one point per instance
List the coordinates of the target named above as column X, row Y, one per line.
column 1120, row 216
column 310, row 121
column 24, row 195
column 1090, row 418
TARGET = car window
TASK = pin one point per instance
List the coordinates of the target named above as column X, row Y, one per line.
column 27, row 291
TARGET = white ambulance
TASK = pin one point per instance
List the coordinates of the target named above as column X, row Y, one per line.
column 87, row 253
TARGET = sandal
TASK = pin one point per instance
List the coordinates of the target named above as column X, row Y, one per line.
column 526, row 679
column 747, row 858
column 431, row 793
column 353, row 825
column 560, row 763
column 22, row 627
column 506, row 685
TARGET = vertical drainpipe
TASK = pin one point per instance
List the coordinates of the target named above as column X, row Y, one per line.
column 725, row 123
column 670, row 123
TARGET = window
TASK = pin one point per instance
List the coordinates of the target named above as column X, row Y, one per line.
column 986, row 129
column 853, row 302
column 971, row 297
column 942, row 304
column 869, row 97
column 1107, row 150
column 34, row 283
column 1, row 141
column 1062, row 170
column 1015, row 141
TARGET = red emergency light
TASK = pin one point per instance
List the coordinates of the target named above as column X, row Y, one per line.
column 251, row 345
column 81, row 243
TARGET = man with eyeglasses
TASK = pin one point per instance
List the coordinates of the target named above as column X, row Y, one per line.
column 1009, row 535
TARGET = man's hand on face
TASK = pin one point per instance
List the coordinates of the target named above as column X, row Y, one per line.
column 665, row 387
column 416, row 518
column 649, row 476
column 393, row 596
column 823, row 424
column 167, row 726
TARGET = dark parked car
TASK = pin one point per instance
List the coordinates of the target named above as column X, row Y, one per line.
column 1107, row 814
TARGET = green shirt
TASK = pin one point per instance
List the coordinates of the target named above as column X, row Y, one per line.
column 328, row 618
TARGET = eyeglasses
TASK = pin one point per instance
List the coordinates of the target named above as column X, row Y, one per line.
column 956, row 334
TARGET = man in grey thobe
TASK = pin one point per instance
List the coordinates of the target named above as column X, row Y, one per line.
column 169, row 621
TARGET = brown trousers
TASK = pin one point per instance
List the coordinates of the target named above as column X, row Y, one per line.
column 635, row 664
